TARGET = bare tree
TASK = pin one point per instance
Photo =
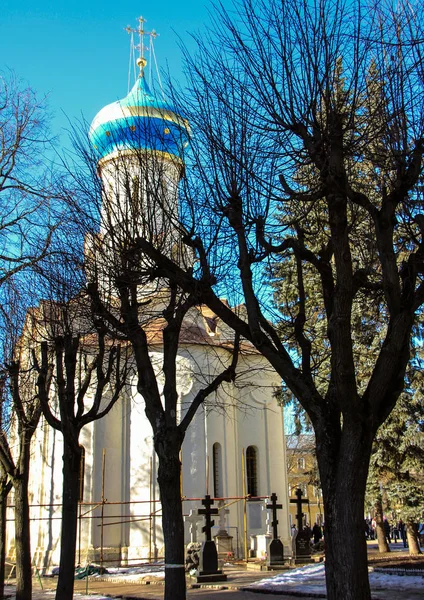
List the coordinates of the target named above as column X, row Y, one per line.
column 20, row 402
column 137, row 194
column 161, row 404
column 29, row 215
column 5, row 487
column 27, row 209
column 166, row 319
column 81, row 375
column 309, row 129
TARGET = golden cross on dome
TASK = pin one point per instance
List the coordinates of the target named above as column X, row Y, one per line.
column 141, row 61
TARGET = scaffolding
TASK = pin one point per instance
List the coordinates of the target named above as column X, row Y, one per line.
column 86, row 510
column 128, row 514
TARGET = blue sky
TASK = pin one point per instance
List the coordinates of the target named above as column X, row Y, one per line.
column 77, row 52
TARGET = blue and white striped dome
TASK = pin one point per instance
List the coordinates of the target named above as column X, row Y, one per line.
column 139, row 122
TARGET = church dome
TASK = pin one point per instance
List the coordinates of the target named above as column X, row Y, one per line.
column 140, row 121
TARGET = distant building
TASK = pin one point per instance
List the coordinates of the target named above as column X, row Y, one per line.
column 302, row 472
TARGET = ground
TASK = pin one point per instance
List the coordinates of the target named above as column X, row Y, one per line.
column 306, row 582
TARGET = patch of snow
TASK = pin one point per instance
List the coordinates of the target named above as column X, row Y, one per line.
column 399, row 582
column 133, row 574
column 312, row 578
column 153, row 569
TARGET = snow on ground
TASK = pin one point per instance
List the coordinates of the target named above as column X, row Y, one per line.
column 133, row 574
column 311, row 578
column 399, row 582
column 115, row 575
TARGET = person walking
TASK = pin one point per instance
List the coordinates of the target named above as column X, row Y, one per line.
column 317, row 533
column 373, row 527
column 402, row 531
column 395, row 533
column 386, row 529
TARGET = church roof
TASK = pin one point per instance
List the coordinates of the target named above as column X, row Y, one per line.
column 140, row 121
column 200, row 325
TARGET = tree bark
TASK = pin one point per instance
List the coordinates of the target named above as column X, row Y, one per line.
column 22, row 537
column 5, row 487
column 383, row 546
column 169, row 479
column 68, row 542
column 343, row 479
column 412, row 535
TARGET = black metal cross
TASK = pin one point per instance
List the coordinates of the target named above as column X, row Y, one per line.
column 274, row 507
column 208, row 512
column 299, row 502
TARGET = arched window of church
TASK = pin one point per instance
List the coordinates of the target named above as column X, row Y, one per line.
column 217, row 471
column 81, row 475
column 252, row 471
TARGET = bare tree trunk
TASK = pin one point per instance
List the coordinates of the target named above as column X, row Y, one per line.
column 68, row 542
column 343, row 481
column 412, row 535
column 22, row 538
column 3, row 507
column 169, row 479
column 5, row 487
column 383, row 545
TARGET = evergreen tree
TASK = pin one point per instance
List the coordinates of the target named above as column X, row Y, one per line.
column 397, row 461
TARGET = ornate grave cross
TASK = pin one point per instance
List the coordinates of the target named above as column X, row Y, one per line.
column 274, row 507
column 223, row 512
column 208, row 512
column 299, row 501
column 193, row 518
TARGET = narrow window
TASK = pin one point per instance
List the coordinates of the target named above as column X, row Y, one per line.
column 135, row 195
column 252, row 471
column 301, row 464
column 81, row 475
column 217, row 470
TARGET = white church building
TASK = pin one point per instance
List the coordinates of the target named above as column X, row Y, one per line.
column 234, row 449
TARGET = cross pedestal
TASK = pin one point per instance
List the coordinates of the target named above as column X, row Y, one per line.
column 302, row 543
column 208, row 564
column 276, row 548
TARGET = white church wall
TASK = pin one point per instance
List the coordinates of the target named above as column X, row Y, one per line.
column 223, row 430
column 107, row 481
column 194, row 458
column 261, row 425
column 130, row 183
column 142, row 476
column 46, row 491
column 86, row 523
